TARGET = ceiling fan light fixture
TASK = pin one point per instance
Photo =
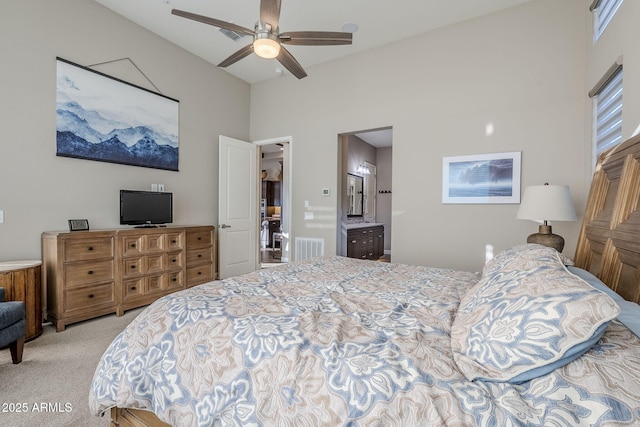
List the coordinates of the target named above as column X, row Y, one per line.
column 265, row 46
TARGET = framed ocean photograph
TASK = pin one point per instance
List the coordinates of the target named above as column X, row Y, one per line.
column 99, row 117
column 481, row 178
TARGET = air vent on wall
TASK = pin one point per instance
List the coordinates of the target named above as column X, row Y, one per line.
column 232, row 34
column 308, row 247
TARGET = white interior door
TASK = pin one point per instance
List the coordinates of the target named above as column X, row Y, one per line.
column 237, row 207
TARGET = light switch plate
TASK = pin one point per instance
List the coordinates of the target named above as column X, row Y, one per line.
column 308, row 215
column 325, row 192
column 1, row 217
column 160, row 187
column 154, row 187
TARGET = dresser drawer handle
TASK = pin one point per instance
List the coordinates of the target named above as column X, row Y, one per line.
column 199, row 255
column 90, row 272
column 199, row 238
column 90, row 248
column 90, row 295
column 174, row 241
column 174, row 279
column 133, row 245
column 174, row 260
column 199, row 273
column 133, row 266
column 133, row 288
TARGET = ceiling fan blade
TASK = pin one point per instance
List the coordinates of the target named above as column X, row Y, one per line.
column 316, row 38
column 290, row 63
column 212, row 21
column 270, row 13
column 237, row 56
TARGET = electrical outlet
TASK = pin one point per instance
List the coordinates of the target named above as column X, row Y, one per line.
column 160, row 187
column 154, row 187
column 325, row 192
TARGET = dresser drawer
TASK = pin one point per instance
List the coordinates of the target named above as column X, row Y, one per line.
column 199, row 237
column 174, row 241
column 175, row 261
column 199, row 256
column 132, row 267
column 133, row 288
column 90, row 296
column 84, row 249
column 132, row 245
column 77, row 274
column 199, row 274
column 174, row 280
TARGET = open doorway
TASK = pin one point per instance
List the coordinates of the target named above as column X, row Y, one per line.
column 274, row 202
column 365, row 158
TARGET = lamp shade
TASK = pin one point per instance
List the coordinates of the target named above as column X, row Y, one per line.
column 547, row 203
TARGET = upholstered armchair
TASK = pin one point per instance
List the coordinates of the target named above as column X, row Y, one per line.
column 13, row 326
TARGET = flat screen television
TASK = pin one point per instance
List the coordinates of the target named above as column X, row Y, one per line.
column 145, row 208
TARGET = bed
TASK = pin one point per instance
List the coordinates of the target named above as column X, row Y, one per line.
column 530, row 340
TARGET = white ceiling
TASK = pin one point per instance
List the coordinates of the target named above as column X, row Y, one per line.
column 378, row 138
column 380, row 22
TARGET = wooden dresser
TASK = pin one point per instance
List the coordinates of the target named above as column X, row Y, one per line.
column 91, row 273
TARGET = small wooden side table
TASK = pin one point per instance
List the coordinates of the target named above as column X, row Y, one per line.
column 21, row 281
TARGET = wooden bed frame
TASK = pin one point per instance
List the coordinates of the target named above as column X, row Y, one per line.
column 609, row 241
column 608, row 245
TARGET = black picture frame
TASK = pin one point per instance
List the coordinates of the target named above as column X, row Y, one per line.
column 78, row 225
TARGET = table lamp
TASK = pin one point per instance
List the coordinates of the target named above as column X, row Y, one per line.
column 544, row 203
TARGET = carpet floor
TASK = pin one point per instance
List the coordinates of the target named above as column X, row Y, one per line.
column 50, row 388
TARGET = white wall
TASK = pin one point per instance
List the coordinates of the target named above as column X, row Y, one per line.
column 521, row 70
column 39, row 191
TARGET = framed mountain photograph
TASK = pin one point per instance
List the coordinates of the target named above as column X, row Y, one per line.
column 99, row 117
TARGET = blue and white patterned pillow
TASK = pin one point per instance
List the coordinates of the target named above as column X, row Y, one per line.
column 526, row 317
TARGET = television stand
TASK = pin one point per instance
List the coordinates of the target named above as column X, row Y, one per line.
column 93, row 273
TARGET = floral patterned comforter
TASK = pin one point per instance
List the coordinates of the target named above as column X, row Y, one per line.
column 337, row 341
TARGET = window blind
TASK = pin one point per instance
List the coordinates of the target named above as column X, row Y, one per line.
column 608, row 112
column 603, row 10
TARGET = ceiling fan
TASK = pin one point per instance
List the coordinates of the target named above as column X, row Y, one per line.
column 267, row 39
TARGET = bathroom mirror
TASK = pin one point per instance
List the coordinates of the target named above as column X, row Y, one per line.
column 354, row 195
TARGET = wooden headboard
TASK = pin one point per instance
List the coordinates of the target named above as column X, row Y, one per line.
column 609, row 241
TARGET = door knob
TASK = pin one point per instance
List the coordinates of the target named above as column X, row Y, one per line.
column 225, row 226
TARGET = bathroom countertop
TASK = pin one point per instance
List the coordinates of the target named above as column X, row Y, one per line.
column 363, row 225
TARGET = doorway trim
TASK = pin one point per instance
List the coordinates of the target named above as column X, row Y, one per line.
column 285, row 220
